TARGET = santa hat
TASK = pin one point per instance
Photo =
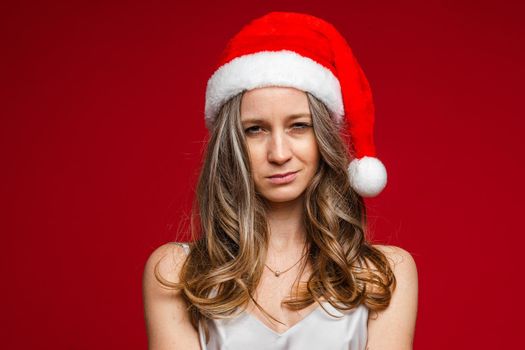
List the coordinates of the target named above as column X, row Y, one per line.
column 307, row 53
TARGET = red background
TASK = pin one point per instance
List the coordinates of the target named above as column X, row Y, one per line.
column 102, row 129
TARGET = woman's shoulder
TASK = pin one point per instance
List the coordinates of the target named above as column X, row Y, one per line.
column 169, row 258
column 165, row 310
column 395, row 325
column 399, row 258
column 401, row 263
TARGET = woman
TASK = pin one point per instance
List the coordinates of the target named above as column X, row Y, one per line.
column 280, row 258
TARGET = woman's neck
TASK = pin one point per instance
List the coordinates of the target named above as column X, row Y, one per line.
column 287, row 231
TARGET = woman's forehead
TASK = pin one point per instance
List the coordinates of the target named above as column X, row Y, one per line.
column 271, row 102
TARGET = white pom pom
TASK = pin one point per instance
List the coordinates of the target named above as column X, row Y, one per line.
column 367, row 176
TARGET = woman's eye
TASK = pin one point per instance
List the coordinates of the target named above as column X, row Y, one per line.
column 252, row 130
column 301, row 125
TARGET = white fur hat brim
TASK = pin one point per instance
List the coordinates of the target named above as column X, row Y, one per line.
column 272, row 68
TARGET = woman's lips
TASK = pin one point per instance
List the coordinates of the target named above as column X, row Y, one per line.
column 287, row 178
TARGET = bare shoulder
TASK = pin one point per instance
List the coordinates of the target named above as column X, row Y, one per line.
column 401, row 261
column 394, row 327
column 166, row 314
column 169, row 257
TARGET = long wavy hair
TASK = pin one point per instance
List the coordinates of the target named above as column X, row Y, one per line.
column 230, row 232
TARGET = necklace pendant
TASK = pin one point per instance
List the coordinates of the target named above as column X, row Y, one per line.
column 277, row 273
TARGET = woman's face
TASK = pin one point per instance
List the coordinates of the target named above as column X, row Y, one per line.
column 280, row 139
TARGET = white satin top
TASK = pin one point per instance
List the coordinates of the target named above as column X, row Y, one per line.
column 318, row 330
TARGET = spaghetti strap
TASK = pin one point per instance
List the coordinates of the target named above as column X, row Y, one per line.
column 185, row 246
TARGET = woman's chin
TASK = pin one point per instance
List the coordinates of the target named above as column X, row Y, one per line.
column 281, row 198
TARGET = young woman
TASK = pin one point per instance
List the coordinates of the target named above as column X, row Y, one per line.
column 280, row 257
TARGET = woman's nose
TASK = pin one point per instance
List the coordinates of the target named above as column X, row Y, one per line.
column 279, row 150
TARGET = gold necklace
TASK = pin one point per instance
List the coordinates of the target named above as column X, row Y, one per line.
column 278, row 273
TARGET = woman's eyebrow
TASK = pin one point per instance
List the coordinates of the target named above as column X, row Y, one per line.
column 300, row 115
column 289, row 117
column 252, row 120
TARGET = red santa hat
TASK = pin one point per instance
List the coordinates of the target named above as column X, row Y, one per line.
column 307, row 53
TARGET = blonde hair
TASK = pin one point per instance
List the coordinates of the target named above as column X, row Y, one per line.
column 230, row 232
